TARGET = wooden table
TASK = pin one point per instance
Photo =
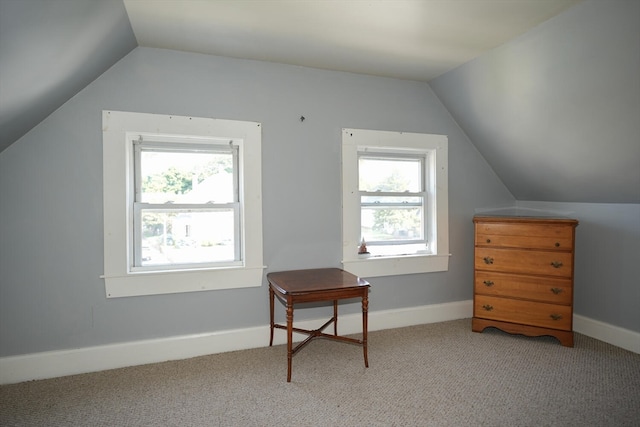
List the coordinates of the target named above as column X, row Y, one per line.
column 323, row 284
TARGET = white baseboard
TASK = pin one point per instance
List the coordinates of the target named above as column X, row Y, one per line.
column 620, row 337
column 53, row 364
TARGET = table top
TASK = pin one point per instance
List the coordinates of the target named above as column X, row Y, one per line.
column 314, row 280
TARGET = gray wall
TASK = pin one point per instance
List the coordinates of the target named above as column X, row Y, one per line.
column 556, row 112
column 49, row 51
column 51, row 296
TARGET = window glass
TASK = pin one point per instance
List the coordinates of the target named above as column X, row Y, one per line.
column 392, row 200
column 186, row 177
column 184, row 236
column 186, row 207
column 390, row 174
column 388, row 224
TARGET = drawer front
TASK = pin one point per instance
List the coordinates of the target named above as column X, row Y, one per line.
column 546, row 263
column 517, row 241
column 555, row 291
column 525, row 229
column 524, row 235
column 523, row 312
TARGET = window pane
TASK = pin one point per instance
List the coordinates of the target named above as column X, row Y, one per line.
column 186, row 177
column 388, row 224
column 390, row 174
column 187, row 237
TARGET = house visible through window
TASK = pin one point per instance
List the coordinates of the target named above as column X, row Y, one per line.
column 182, row 204
column 395, row 202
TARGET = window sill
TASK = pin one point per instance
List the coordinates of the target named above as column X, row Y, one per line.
column 154, row 283
column 396, row 265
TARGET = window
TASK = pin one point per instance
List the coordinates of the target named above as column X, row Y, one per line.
column 182, row 204
column 186, row 205
column 392, row 202
column 395, row 213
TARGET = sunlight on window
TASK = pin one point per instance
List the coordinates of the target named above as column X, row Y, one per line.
column 382, row 174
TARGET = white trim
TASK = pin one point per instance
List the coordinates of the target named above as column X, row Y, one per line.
column 611, row 334
column 52, row 364
column 395, row 266
column 199, row 280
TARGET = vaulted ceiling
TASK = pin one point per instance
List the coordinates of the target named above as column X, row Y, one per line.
column 51, row 49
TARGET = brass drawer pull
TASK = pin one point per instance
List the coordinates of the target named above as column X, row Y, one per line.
column 488, row 260
column 488, row 282
column 557, row 244
column 487, row 307
column 556, row 290
column 556, row 264
column 488, row 240
column 555, row 316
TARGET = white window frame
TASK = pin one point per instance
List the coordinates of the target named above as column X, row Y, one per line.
column 435, row 147
column 119, row 130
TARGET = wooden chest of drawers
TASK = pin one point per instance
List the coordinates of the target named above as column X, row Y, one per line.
column 524, row 276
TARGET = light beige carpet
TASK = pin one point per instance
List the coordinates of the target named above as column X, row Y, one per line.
column 430, row 375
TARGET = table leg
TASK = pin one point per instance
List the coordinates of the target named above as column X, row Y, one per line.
column 335, row 317
column 365, row 310
column 271, row 298
column 289, row 338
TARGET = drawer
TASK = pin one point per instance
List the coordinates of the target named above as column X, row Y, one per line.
column 525, row 235
column 557, row 243
column 523, row 312
column 551, row 290
column 536, row 229
column 547, row 263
